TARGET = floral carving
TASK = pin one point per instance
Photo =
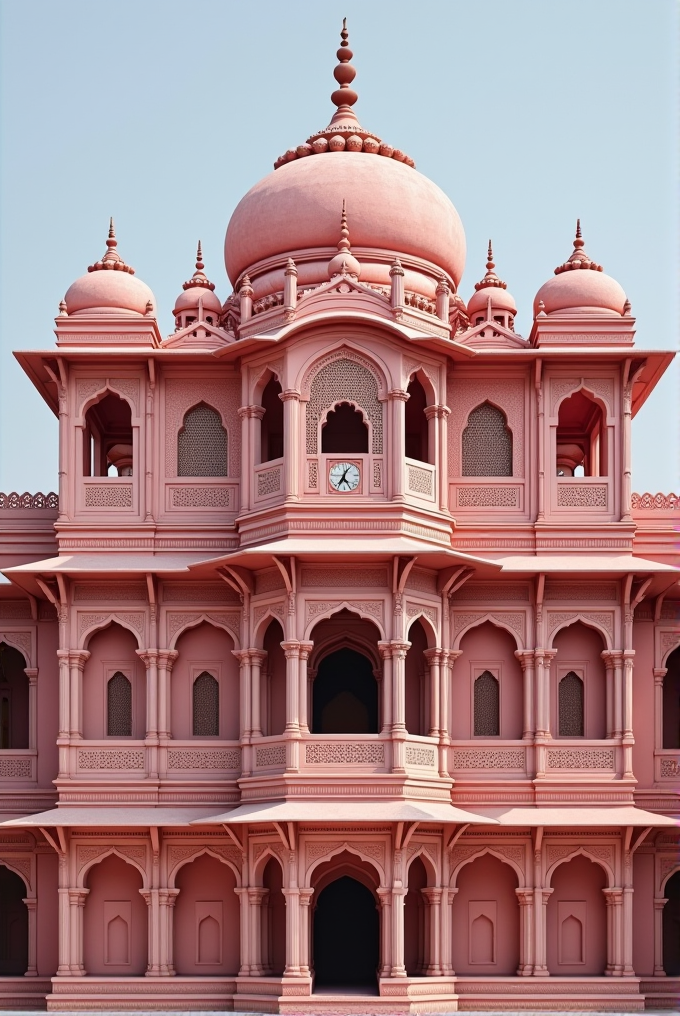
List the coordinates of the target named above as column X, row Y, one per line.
column 14, row 500
column 198, row 592
column 21, row 640
column 111, row 759
column 654, row 502
column 488, row 758
column 511, row 619
column 488, row 497
column 316, row 850
column 109, row 592
column 581, row 495
column 224, row 758
column 86, row 388
column 580, row 758
column 566, row 591
column 108, row 495
column 464, row 395
column 17, row 768
column 669, row 768
column 320, row 577
column 600, row 620
column 128, row 387
column 344, row 754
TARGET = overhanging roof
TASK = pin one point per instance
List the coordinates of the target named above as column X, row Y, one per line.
column 622, row 564
column 346, row 811
column 72, row 817
column 623, row 815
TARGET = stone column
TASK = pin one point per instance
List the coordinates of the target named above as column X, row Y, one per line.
column 526, row 659
column 659, row 674
column 244, row 927
column 292, row 653
column 32, row 675
column 303, row 703
column 385, row 899
column 305, row 927
column 64, row 930
column 614, row 901
column 291, row 443
column 628, row 738
column 448, row 896
column 541, row 897
column 166, row 917
column 166, row 660
column 64, row 711
column 292, row 897
column 617, row 656
column 449, row 658
column 77, row 660
column 398, row 399
column 32, row 967
column 398, row 967
column 659, row 904
column 258, row 658
column 608, row 658
column 149, row 658
column 77, row 899
column 246, row 459
column 433, row 958
column 540, row 413
column 434, row 658
column 256, row 896
column 525, row 898
column 626, row 506
column 399, row 650
column 150, row 897
column 443, row 413
column 385, row 649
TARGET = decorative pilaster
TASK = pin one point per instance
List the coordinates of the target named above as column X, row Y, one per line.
column 398, row 966
column 292, row 897
column 628, row 738
column 525, row 898
column 659, row 675
column 449, row 657
column 149, row 658
column 659, row 904
column 32, row 675
column 244, row 927
column 385, row 649
column 291, row 443
column 541, row 897
column 434, row 657
column 433, row 956
column 77, row 660
column 526, row 659
column 614, row 900
column 303, row 694
column 166, row 661
column 256, row 897
column 258, row 657
column 305, row 927
column 32, row 965
column 398, row 399
column 399, row 650
column 608, row 657
column 385, row 900
column 76, row 898
column 64, row 932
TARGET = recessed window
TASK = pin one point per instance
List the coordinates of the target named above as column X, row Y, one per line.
column 206, row 706
column 570, row 705
column 487, row 443
column 486, row 706
column 119, row 706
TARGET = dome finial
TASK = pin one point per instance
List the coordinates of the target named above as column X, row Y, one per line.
column 578, row 258
column 489, row 258
column 343, row 242
column 111, row 241
column 199, row 278
column 490, row 279
column 112, row 259
column 199, row 258
column 344, row 97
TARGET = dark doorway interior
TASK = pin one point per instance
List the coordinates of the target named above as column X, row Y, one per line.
column 13, row 924
column 345, row 695
column 671, row 927
column 346, row 937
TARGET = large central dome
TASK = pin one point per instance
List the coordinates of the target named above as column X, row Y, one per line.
column 392, row 210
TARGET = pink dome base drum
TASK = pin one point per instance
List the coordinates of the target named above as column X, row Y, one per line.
column 342, row 672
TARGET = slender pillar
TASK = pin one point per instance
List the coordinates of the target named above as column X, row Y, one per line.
column 256, row 896
column 448, row 896
column 398, row 399
column 538, row 383
column 618, row 692
column 614, row 901
column 64, row 933
column 77, row 899
column 166, row 660
column 258, row 658
column 443, row 413
column 244, row 927
column 628, row 738
column 525, row 898
column 608, row 658
column 433, row 957
column 32, row 675
column 292, row 932
column 399, row 650
column 385, row 898
column 541, row 897
column 659, row 904
column 385, row 649
column 153, row 945
column 291, row 443
column 434, row 658
column 149, row 658
column 304, row 701
column 626, row 506
column 305, row 928
column 526, row 659
column 166, row 918
column 77, row 660
column 398, row 967
column 292, row 653
column 32, row 965
column 247, row 459
column 659, row 674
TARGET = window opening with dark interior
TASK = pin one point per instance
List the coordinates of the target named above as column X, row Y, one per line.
column 487, row 443
column 202, row 444
column 13, row 924
column 581, row 445
column 487, row 721
column 344, row 431
column 671, row 702
column 415, row 423
column 570, row 706
column 107, row 444
column 206, row 706
column 119, row 706
column 13, row 698
column 345, row 695
column 271, row 427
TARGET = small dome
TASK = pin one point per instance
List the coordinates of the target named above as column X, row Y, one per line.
column 491, row 287
column 580, row 286
column 198, row 288
column 110, row 287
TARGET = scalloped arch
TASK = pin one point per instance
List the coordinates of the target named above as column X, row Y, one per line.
column 22, row 645
column 429, row 864
column 353, row 607
column 200, row 851
column 261, row 863
column 92, row 398
column 195, row 620
column 453, row 879
column 664, row 880
column 496, row 621
column 589, row 622
column 21, row 874
column 82, row 874
column 591, row 857
column 430, row 630
column 339, row 848
column 347, row 350
column 111, row 618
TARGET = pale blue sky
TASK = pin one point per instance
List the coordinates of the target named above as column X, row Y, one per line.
column 163, row 113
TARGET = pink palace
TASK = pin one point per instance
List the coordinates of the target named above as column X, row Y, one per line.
column 343, row 673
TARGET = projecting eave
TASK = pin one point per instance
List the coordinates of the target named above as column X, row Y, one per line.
column 109, row 818
column 583, row 564
column 577, row 818
column 369, row 548
column 347, row 811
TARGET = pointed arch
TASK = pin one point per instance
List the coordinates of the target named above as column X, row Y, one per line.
column 338, row 848
column 202, row 442
column 428, row 863
column 429, row 628
column 511, row 862
column 6, row 862
column 23, row 642
column 497, row 620
column 487, row 442
column 419, row 371
column 608, row 870
column 260, row 863
column 199, row 852
column 93, row 398
column 107, row 852
column 349, row 640
column 262, row 624
column 192, row 621
column 588, row 621
column 101, row 621
column 354, row 607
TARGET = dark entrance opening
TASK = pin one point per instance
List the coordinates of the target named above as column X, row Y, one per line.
column 13, row 924
column 671, row 927
column 346, row 936
column 345, row 695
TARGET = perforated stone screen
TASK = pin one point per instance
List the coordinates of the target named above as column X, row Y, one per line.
column 487, row 713
column 206, row 702
column 202, row 444
column 119, row 706
column 570, row 704
column 339, row 381
column 487, row 443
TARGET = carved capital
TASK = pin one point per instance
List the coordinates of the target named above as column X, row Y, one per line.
column 166, row 658
column 398, row 395
column 291, row 649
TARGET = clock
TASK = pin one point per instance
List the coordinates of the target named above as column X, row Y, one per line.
column 344, row 476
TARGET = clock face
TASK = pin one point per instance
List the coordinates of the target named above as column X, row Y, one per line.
column 344, row 476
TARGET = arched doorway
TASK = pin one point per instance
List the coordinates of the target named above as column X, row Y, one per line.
column 671, row 927
column 14, row 696
column 13, row 924
column 576, row 918
column 346, row 936
column 206, row 921
column 345, row 695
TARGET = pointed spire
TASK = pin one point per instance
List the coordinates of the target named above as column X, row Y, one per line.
column 199, row 277
column 490, row 279
column 578, row 258
column 343, row 242
column 344, row 97
column 344, row 262
column 112, row 259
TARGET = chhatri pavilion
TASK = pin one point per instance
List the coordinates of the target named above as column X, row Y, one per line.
column 342, row 673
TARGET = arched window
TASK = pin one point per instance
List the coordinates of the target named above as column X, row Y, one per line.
column 13, row 698
column 671, row 702
column 344, row 431
column 570, row 705
column 345, row 695
column 487, row 443
column 487, row 706
column 581, row 448
column 119, row 706
column 202, row 444
column 206, row 706
column 271, row 427
column 415, row 423
column 671, row 927
column 13, row 924
column 107, row 448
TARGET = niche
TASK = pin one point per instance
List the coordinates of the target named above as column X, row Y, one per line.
column 487, row 443
column 107, row 438
column 115, row 920
column 581, row 443
column 415, row 423
column 202, row 444
column 271, row 427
